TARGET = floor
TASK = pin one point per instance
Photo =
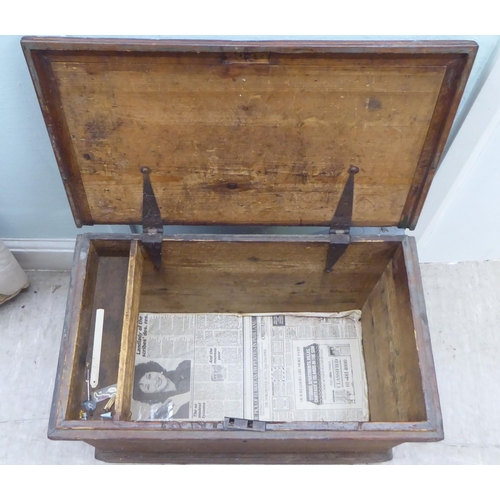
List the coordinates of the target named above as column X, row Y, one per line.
column 464, row 314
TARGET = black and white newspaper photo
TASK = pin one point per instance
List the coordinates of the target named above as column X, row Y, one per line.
column 306, row 367
column 188, row 366
column 272, row 367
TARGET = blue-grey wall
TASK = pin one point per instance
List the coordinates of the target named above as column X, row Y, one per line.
column 33, row 203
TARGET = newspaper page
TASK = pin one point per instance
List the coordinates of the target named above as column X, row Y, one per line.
column 306, row 367
column 272, row 367
column 188, row 367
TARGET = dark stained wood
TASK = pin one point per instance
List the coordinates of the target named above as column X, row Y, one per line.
column 80, row 297
column 395, row 387
column 230, row 445
column 265, row 458
column 112, row 245
column 251, row 133
column 108, row 293
column 45, row 85
column 279, row 46
column 180, row 429
column 259, row 133
column 422, row 336
column 242, row 277
column 74, row 378
column 403, row 398
column 233, row 444
column 116, row 241
column 129, row 333
column 446, row 107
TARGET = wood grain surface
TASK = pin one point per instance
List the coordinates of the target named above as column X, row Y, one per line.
column 241, row 458
column 108, row 293
column 395, row 391
column 70, row 381
column 242, row 274
column 246, row 277
column 249, row 133
column 129, row 333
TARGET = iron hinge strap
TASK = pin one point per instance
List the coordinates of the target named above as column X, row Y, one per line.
column 340, row 226
column 152, row 222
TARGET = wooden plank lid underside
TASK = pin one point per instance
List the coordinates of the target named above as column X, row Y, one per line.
column 248, row 132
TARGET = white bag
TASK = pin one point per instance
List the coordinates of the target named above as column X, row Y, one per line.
column 12, row 277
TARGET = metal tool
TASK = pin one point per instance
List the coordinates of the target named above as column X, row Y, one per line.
column 96, row 351
column 89, row 405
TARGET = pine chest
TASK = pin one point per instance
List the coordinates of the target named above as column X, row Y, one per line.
column 305, row 162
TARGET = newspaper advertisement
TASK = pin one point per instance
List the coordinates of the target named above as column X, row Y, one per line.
column 272, row 367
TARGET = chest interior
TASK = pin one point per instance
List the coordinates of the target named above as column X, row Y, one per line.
column 200, row 276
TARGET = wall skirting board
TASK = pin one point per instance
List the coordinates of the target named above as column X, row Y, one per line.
column 42, row 254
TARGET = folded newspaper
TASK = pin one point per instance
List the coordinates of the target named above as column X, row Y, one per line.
column 272, row 367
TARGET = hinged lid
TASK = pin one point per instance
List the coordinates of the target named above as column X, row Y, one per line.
column 248, row 132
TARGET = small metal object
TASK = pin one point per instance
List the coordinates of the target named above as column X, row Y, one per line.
column 107, row 416
column 243, row 424
column 152, row 223
column 96, row 350
column 89, row 405
column 340, row 226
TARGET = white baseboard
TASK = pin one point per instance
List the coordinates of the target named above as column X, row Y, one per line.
column 42, row 254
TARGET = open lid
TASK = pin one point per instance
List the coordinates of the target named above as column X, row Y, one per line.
column 247, row 132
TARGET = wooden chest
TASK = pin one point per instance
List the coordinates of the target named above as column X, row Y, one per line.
column 261, row 137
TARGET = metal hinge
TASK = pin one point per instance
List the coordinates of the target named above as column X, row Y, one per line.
column 152, row 223
column 340, row 226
